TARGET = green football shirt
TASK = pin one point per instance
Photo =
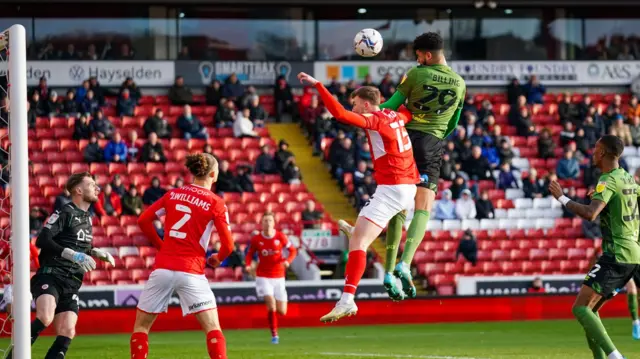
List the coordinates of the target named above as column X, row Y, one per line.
column 433, row 93
column 619, row 220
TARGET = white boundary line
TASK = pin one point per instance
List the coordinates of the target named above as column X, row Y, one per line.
column 374, row 355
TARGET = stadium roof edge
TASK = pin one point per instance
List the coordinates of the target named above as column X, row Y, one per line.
column 449, row 3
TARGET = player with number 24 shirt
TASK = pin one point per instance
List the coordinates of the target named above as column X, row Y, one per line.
column 395, row 172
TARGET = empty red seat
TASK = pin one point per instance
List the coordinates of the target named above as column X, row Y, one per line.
column 519, row 254
column 557, row 254
column 97, row 275
column 120, row 274
column 444, row 256
column 530, row 267
column 538, row 254
column 442, row 279
column 491, row 268
column 499, row 255
column 576, row 253
column 134, row 263
column 148, row 251
column 117, row 168
column 224, row 272
column 122, row 241
column 433, row 268
column 140, row 274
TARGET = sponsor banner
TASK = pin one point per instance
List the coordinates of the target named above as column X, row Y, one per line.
column 321, row 239
column 513, row 285
column 494, row 73
column 108, row 73
column 260, row 73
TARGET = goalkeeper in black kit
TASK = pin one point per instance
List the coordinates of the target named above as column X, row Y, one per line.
column 65, row 256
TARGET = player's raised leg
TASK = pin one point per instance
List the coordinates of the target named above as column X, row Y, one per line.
column 393, row 239
column 632, row 303
column 65, row 324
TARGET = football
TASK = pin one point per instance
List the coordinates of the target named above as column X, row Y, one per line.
column 368, row 42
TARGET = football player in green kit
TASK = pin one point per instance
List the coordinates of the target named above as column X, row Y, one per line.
column 434, row 94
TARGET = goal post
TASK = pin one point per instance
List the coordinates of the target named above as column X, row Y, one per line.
column 13, row 46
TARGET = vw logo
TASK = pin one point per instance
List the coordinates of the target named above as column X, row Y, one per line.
column 76, row 72
column 593, row 70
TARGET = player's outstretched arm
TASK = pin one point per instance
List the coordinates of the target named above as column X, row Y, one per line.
column 334, row 107
column 589, row 211
column 394, row 103
column 103, row 256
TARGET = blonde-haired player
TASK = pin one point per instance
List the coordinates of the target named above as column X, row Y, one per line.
column 271, row 269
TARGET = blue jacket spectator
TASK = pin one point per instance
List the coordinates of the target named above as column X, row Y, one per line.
column 233, row 89
column 534, row 90
column 506, row 179
column 191, row 126
column 126, row 105
column 491, row 154
column 101, row 126
column 82, row 91
column 90, row 104
column 568, row 167
column 445, row 208
column 116, row 150
column 478, row 138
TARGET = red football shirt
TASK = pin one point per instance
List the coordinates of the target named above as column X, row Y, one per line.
column 191, row 212
column 389, row 141
column 270, row 258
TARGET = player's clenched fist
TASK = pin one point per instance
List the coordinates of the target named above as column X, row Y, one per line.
column 555, row 189
column 304, row 77
column 213, row 261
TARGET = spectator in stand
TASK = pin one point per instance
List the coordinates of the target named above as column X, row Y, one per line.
column 61, row 200
column 620, row 129
column 291, row 173
column 178, row 183
column 584, row 108
column 179, row 94
column 311, row 113
column 153, row 193
column 468, row 247
column 465, row 206
column 266, row 163
column 485, row 110
column 633, row 110
column 90, row 104
column 133, row 147
column 249, row 93
column 283, row 98
column 283, row 155
column 591, row 175
column 592, row 132
column 91, row 54
column 386, row 86
column 158, row 125
column 125, row 106
column 368, row 81
column 31, row 114
column 213, row 93
column 567, row 110
column 582, row 143
column 70, row 106
column 534, row 90
column 616, row 105
column 117, row 186
column 459, row 184
column 524, row 124
column 532, row 186
column 484, row 207
column 514, row 90
column 477, row 167
column 257, row 113
column 310, row 217
column 343, row 159
column 573, row 195
column 70, row 54
column 469, row 107
column 98, row 92
column 233, row 90
column 360, row 173
column 242, row 126
column 491, row 154
column 365, row 191
column 469, row 123
column 546, row 145
column 445, row 207
column 183, row 55
column 634, row 131
column 39, row 106
column 506, row 179
column 505, row 152
column 109, row 203
column 132, row 202
column 93, row 152
column 126, row 53
column 53, row 106
column 479, row 138
column 447, row 169
column 227, row 182
column 244, row 178
column 514, row 111
column 225, row 115
column 42, row 89
column 573, row 147
column 134, row 91
column 626, row 54
column 81, row 92
column 191, row 126
column 536, row 286
column 567, row 134
column 37, row 216
column 116, row 149
column 152, row 150
column 568, row 167
column 101, row 126
column 81, row 128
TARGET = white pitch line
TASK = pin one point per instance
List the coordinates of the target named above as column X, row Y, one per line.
column 408, row 356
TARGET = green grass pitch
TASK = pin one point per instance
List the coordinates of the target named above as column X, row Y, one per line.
column 504, row 340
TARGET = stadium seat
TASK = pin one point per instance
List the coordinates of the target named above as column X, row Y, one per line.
column 128, row 251
column 538, row 254
column 148, row 251
column 134, row 263
column 119, row 274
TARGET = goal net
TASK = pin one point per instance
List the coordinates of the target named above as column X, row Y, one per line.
column 14, row 195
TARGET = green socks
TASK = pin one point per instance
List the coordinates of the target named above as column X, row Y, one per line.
column 632, row 302
column 394, row 236
column 415, row 234
column 594, row 328
column 595, row 349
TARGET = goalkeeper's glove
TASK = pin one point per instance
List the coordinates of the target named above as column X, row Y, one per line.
column 84, row 261
column 103, row 256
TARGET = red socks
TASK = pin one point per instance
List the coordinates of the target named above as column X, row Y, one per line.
column 356, row 265
column 139, row 345
column 216, row 345
column 273, row 323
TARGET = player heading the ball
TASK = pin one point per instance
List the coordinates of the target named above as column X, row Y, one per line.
column 394, row 170
column 191, row 212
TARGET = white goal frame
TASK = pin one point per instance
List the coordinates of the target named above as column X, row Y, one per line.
column 19, row 162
